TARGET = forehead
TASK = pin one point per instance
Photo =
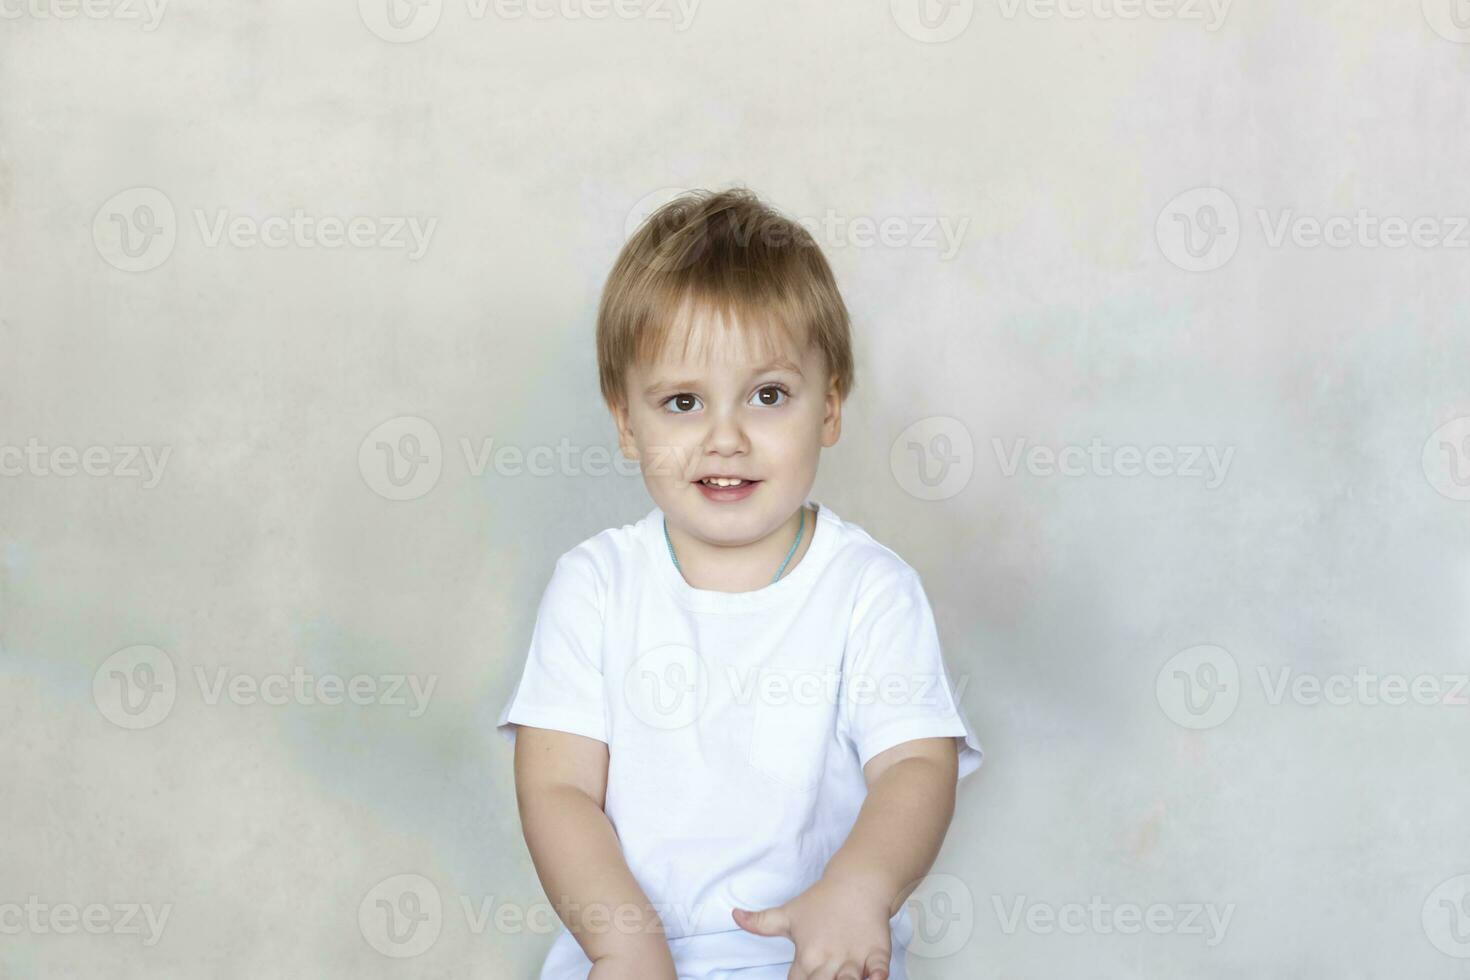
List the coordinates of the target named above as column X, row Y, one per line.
column 704, row 337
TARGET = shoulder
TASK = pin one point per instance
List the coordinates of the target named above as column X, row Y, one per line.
column 877, row 569
column 596, row 562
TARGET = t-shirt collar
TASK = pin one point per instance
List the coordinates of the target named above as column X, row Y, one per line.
column 790, row 586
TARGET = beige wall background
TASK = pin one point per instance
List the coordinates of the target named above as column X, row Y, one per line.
column 299, row 406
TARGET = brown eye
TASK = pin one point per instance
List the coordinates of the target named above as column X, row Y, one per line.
column 771, row 395
column 682, row 403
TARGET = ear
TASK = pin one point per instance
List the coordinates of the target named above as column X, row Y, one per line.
column 625, row 430
column 832, row 420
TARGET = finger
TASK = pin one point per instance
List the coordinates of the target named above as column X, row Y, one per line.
column 827, row 971
column 875, row 967
column 766, row 922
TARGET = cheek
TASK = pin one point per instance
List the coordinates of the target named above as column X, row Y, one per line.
column 669, row 448
column 794, row 435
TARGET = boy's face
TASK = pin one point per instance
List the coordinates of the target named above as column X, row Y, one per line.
column 731, row 409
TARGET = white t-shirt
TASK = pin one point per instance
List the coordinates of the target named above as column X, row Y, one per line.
column 737, row 723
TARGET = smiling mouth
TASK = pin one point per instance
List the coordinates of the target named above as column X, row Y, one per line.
column 724, row 482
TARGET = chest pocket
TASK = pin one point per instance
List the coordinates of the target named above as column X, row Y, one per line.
column 795, row 721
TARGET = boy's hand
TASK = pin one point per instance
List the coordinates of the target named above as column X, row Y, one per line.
column 650, row 962
column 836, row 926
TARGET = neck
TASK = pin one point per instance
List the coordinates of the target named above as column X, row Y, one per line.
column 742, row 568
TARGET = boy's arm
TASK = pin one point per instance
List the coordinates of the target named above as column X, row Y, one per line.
column 902, row 823
column 561, row 787
column 843, row 919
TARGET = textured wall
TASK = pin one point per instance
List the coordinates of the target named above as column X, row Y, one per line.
column 250, row 251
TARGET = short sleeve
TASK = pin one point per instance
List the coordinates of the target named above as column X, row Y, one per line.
column 561, row 684
column 895, row 684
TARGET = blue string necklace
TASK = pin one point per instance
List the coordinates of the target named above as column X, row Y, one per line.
column 799, row 529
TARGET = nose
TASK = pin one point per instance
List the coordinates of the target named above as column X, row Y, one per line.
column 725, row 436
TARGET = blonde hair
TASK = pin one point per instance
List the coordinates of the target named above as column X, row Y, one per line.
column 730, row 254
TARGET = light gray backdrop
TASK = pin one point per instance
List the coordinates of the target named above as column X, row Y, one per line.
column 1161, row 325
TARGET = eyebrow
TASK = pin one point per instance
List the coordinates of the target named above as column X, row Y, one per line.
column 779, row 364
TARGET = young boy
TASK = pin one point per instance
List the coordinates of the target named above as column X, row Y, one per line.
column 738, row 745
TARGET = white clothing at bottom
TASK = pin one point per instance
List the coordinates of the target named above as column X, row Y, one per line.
column 704, row 956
